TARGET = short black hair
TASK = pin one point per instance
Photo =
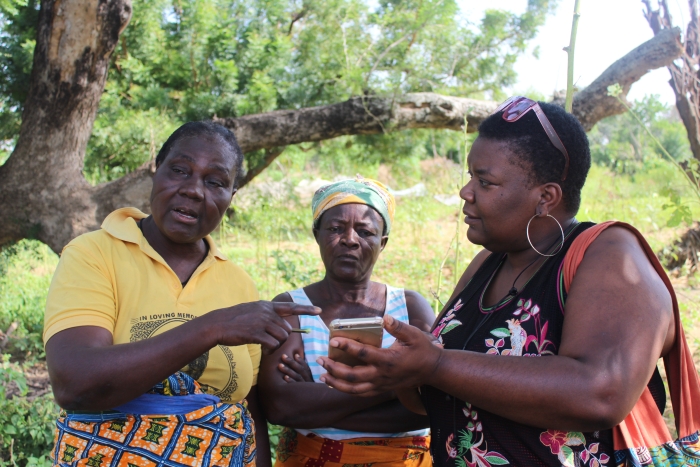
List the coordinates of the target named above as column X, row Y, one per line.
column 204, row 128
column 528, row 140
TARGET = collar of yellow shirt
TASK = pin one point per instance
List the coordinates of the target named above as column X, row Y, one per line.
column 121, row 224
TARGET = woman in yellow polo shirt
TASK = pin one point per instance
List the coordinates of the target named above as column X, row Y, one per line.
column 152, row 336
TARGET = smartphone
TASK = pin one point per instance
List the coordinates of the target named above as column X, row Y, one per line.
column 368, row 331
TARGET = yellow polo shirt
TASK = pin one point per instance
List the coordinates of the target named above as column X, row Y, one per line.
column 113, row 278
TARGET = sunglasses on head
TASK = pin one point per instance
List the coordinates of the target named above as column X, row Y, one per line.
column 517, row 106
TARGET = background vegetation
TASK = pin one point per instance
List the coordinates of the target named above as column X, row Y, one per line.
column 192, row 59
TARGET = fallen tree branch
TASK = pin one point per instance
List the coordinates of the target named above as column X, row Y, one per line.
column 593, row 104
column 357, row 116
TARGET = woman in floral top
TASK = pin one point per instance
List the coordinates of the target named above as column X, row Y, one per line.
column 601, row 340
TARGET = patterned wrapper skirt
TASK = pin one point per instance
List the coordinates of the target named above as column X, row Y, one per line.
column 216, row 434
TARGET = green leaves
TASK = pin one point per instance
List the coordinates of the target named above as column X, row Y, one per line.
column 25, row 274
column 453, row 324
column 680, row 211
column 639, row 139
column 500, row 332
column 297, row 268
column 495, row 460
column 26, row 426
column 622, row 142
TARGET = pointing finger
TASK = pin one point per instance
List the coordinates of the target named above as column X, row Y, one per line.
column 290, row 308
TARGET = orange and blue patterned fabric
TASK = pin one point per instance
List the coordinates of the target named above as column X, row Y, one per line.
column 643, row 438
column 359, row 190
column 176, row 433
column 297, row 450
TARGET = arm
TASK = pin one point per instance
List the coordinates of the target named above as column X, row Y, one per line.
column 83, row 380
column 410, row 398
column 262, row 439
column 389, row 417
column 618, row 323
column 304, row 404
column 89, row 372
column 422, row 317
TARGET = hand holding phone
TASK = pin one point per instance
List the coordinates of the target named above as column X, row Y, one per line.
column 367, row 331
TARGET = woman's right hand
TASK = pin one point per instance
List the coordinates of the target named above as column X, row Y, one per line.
column 408, row 363
column 259, row 322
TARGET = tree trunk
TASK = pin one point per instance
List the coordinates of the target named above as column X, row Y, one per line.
column 42, row 190
column 44, row 195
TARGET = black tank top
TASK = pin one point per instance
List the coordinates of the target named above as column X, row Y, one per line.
column 527, row 325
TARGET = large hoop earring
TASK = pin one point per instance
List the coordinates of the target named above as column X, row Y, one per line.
column 527, row 232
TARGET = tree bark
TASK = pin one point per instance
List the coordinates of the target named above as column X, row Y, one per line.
column 685, row 75
column 42, row 191
column 593, row 103
column 44, row 195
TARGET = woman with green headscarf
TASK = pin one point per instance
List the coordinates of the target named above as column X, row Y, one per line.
column 351, row 223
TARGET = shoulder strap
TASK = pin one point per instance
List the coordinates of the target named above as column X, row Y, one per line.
column 300, row 297
column 396, row 304
column 578, row 248
column 683, row 380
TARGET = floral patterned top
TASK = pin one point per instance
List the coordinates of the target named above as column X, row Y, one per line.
column 527, row 325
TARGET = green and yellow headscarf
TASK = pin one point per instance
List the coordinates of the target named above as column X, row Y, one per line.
column 355, row 191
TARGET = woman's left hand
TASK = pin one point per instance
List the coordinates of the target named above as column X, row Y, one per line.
column 295, row 370
column 408, row 363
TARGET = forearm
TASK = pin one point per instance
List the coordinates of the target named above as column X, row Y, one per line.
column 262, row 438
column 103, row 377
column 313, row 405
column 389, row 417
column 410, row 398
column 551, row 392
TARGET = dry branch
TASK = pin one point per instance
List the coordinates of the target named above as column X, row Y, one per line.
column 357, row 116
column 593, row 104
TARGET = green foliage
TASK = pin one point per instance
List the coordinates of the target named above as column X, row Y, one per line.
column 25, row 275
column 124, row 139
column 274, row 433
column 26, row 426
column 194, row 59
column 653, row 132
column 298, row 268
column 623, row 144
column 18, row 19
column 680, row 211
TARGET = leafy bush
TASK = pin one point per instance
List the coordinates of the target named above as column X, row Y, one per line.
column 621, row 142
column 26, row 425
column 25, row 274
column 298, row 268
column 274, row 433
